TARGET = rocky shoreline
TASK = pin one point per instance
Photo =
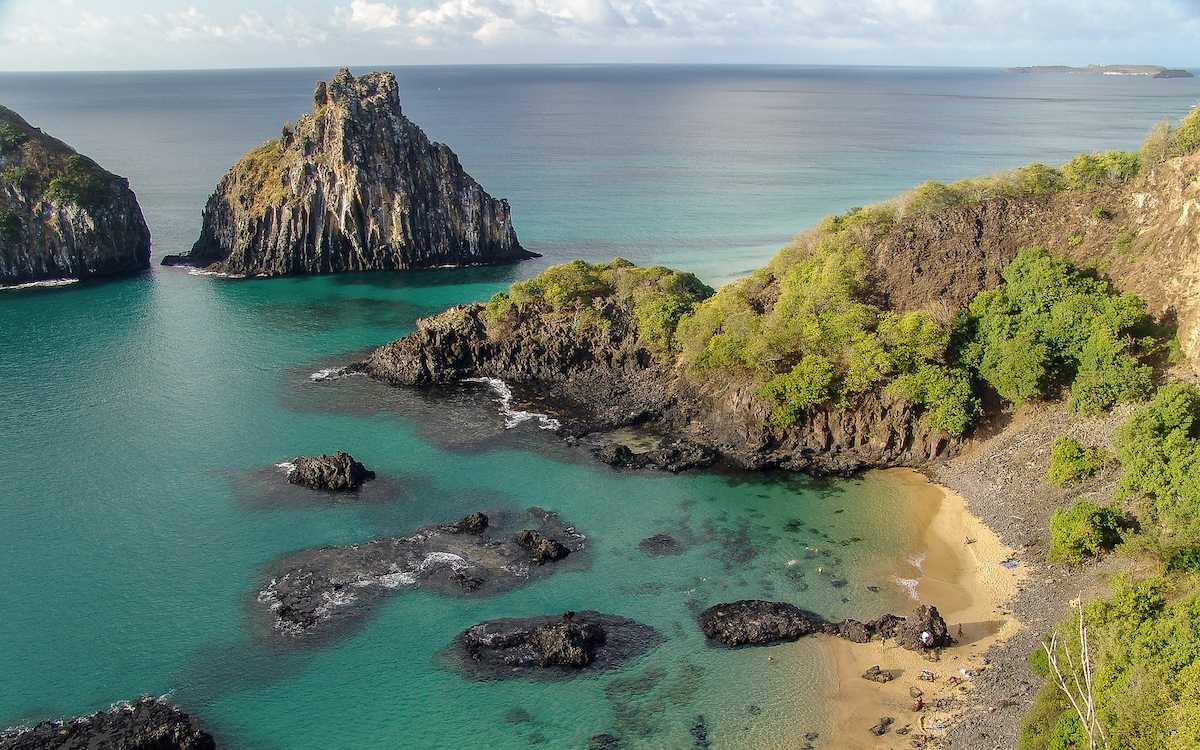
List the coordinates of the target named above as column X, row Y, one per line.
column 145, row 723
column 309, row 593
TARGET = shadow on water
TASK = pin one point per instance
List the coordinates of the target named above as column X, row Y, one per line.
column 337, row 314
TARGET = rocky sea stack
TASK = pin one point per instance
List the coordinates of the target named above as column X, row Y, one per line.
column 353, row 186
column 338, row 472
column 147, row 723
column 62, row 216
column 550, row 646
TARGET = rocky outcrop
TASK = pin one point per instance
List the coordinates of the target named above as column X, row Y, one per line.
column 610, row 379
column 310, row 592
column 147, row 723
column 925, row 630
column 354, row 186
column 61, row 215
column 551, row 646
column 754, row 622
column 338, row 472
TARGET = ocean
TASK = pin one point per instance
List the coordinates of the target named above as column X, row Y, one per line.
column 142, row 419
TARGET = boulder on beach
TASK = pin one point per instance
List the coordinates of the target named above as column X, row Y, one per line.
column 924, row 630
column 338, row 472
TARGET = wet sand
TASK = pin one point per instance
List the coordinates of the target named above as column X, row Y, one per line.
column 957, row 568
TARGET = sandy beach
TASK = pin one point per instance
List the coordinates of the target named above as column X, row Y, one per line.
column 957, row 568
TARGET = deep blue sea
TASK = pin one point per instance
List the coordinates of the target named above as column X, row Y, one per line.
column 141, row 419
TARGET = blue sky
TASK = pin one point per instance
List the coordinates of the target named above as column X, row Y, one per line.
column 140, row 34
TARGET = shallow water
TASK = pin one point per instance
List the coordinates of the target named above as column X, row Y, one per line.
column 143, row 419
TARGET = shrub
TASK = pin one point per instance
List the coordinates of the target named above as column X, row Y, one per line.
column 1160, row 454
column 78, row 181
column 1039, row 179
column 656, row 297
column 931, row 198
column 1071, row 461
column 11, row 137
column 1047, row 323
column 808, row 384
column 1100, row 213
column 1091, row 171
column 1185, row 138
column 10, row 224
column 1075, row 240
column 1124, row 241
column 1083, row 530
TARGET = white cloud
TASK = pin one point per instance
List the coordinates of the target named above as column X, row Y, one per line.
column 364, row 15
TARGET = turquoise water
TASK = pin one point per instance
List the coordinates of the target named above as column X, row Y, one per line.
column 142, row 418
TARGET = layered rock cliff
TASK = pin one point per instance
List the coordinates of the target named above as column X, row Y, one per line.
column 61, row 214
column 354, row 186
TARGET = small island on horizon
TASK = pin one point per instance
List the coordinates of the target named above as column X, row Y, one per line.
column 1144, row 71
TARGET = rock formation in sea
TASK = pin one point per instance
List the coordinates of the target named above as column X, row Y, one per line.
column 62, row 216
column 754, row 622
column 146, row 723
column 337, row 472
column 353, row 186
column 310, row 591
column 549, row 646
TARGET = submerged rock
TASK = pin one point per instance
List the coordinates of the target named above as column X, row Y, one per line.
column 146, row 723
column 354, row 186
column 660, row 544
column 554, row 645
column 62, row 215
column 673, row 456
column 309, row 591
column 754, row 622
column 338, row 472
column 604, row 741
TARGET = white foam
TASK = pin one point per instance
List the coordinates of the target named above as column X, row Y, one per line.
column 287, row 467
column 329, row 373
column 917, row 560
column 514, row 417
column 221, row 274
column 333, row 600
column 910, row 585
column 43, row 283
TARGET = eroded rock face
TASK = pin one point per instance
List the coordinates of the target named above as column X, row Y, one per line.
column 61, row 214
column 146, row 723
column 550, row 646
column 354, row 186
column 754, row 622
column 309, row 592
column 338, row 472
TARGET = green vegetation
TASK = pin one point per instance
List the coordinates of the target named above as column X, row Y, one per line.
column 78, row 181
column 10, row 224
column 1165, row 140
column 1100, row 213
column 658, row 297
column 1083, row 530
column 1159, row 448
column 1072, row 461
column 1145, row 647
column 802, row 329
column 1049, row 324
column 11, row 137
column 1123, row 243
column 1109, row 168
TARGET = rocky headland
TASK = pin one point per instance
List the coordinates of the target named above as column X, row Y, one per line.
column 352, row 186
column 62, row 216
column 146, row 723
column 552, row 646
column 311, row 591
column 336, row 472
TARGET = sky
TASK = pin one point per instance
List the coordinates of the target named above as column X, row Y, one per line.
column 168, row 34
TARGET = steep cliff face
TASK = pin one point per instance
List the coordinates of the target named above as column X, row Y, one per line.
column 354, row 186
column 1144, row 237
column 62, row 215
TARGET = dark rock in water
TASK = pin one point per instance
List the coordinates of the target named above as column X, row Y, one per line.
column 660, row 544
column 753, row 622
column 338, row 472
column 603, row 741
column 550, row 646
column 354, row 186
column 674, row 456
column 476, row 523
column 924, row 631
column 542, row 549
column 147, row 723
column 875, row 674
column 308, row 591
column 699, row 733
column 61, row 214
